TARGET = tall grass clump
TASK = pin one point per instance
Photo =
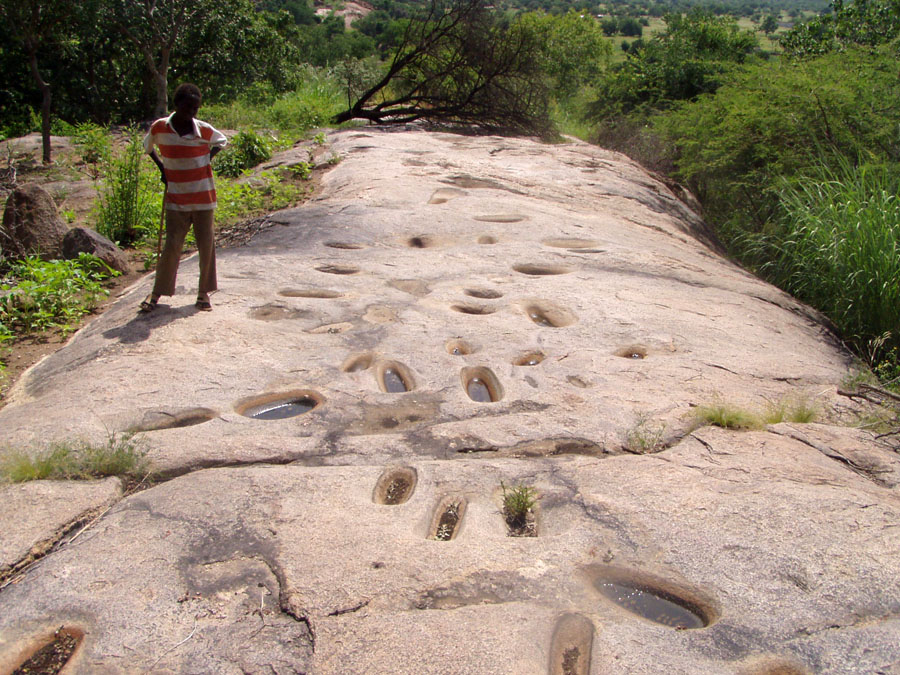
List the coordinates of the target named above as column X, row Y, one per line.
column 121, row 455
column 837, row 247
column 127, row 200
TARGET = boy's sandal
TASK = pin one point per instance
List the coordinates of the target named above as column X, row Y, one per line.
column 203, row 305
column 149, row 304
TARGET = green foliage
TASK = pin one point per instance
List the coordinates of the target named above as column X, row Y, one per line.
column 572, row 49
column 518, row 502
column 645, row 436
column 121, row 455
column 245, row 151
column 773, row 121
column 50, row 294
column 93, row 142
column 125, row 204
column 244, row 198
column 691, row 57
column 728, row 417
column 790, row 409
column 837, row 247
column 863, row 22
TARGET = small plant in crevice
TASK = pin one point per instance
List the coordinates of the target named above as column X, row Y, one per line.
column 121, row 455
column 727, row 416
column 519, row 503
column 447, row 525
column 645, row 436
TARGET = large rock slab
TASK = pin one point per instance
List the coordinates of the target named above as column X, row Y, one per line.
column 589, row 305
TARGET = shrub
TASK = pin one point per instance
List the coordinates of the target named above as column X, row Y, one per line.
column 125, row 204
column 93, row 142
column 245, row 151
column 50, row 294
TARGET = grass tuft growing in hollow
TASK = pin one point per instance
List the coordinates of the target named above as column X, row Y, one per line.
column 645, row 436
column 519, row 502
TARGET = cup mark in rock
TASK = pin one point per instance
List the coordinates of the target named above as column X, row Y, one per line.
column 471, row 182
column 548, row 315
column 443, row 195
column 569, row 242
column 486, row 239
column 274, row 312
column 577, row 381
column 331, row 328
column 447, row 518
column 345, row 245
column 541, row 270
column 483, row 293
column 502, row 218
column 394, row 378
column 337, row 269
column 354, row 364
column 155, row 420
column 321, row 293
column 481, row 385
column 477, row 310
column 571, row 645
column 395, row 486
column 653, row 598
column 278, row 406
column 529, row 359
column 636, row 352
column 50, row 653
column 422, row 241
column 459, row 348
column 414, row 287
column 770, row 665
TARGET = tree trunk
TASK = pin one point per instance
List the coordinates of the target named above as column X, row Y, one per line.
column 161, row 81
column 45, row 103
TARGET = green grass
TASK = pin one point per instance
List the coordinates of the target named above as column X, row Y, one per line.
column 728, row 417
column 120, row 456
column 838, row 249
column 518, row 502
column 797, row 409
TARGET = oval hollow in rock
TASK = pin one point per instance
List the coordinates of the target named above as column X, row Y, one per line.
column 155, row 420
column 421, row 241
column 541, row 270
column 394, row 378
column 501, row 218
column 481, row 385
column 447, row 518
column 569, row 242
column 483, row 293
column 346, row 245
column 487, row 239
column 636, row 352
column 443, row 195
column 477, row 310
column 395, row 486
column 459, row 348
column 279, row 406
column 321, row 293
column 51, row 653
column 570, row 649
column 529, row 359
column 653, row 598
column 353, row 364
column 337, row 269
column 549, row 315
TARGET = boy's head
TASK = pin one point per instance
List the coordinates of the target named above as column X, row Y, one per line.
column 187, row 100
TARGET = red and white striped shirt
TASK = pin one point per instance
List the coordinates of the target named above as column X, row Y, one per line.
column 186, row 160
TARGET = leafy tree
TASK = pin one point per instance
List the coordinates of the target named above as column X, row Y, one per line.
column 572, row 49
column 34, row 23
column 769, row 24
column 863, row 22
column 457, row 64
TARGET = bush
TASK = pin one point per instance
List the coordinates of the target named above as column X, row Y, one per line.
column 50, row 294
column 245, row 151
column 125, row 203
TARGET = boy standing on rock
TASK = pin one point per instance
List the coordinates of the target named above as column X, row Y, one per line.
column 187, row 146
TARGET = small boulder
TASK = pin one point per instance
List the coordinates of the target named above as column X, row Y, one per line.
column 31, row 224
column 83, row 240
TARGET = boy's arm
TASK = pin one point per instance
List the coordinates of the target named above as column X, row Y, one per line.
column 162, row 169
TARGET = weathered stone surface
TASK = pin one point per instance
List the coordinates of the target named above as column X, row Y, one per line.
column 34, row 513
column 429, row 261
column 84, row 240
column 31, row 224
